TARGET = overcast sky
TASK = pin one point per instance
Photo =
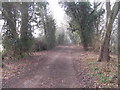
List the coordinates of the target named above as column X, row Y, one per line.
column 57, row 11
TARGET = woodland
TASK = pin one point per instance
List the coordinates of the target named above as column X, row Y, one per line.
column 87, row 43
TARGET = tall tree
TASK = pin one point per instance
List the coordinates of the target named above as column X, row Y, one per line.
column 75, row 10
column 17, row 35
column 10, row 33
column 104, row 54
column 50, row 33
column 48, row 24
column 25, row 31
column 84, row 15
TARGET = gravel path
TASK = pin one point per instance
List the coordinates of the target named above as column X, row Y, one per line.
column 58, row 69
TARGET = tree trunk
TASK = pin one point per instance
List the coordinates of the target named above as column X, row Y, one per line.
column 24, row 26
column 119, row 38
column 104, row 54
column 10, row 35
column 119, row 48
column 107, row 12
column 106, row 25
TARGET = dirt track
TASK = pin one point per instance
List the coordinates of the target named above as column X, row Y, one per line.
column 56, row 69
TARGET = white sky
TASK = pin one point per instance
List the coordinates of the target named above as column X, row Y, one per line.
column 58, row 12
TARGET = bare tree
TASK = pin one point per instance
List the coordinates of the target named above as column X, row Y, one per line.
column 104, row 54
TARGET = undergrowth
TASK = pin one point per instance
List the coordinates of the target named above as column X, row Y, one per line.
column 105, row 72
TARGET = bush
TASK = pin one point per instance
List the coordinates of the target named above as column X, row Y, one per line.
column 16, row 47
column 40, row 45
